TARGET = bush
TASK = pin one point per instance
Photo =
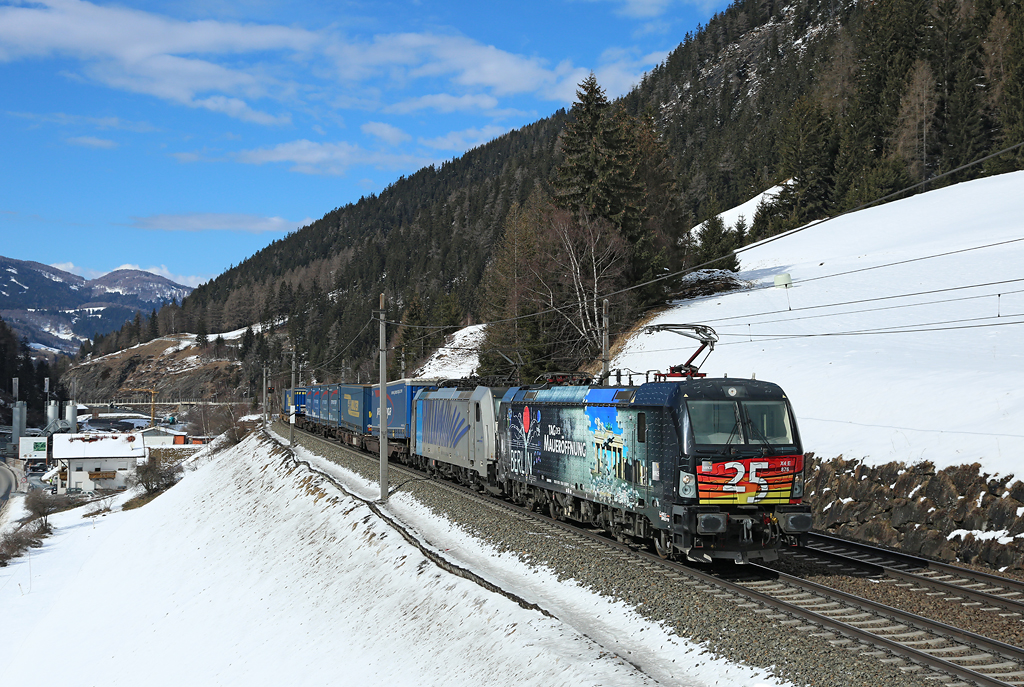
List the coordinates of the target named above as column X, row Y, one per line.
column 155, row 475
column 206, row 420
column 13, row 544
column 41, row 504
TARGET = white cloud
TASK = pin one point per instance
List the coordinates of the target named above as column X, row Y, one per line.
column 212, row 221
column 391, row 135
column 143, row 52
column 65, row 119
column 465, row 139
column 85, row 272
column 92, row 142
column 443, row 102
column 228, row 67
column 186, row 280
column 310, row 157
column 89, row 273
column 466, row 62
column 644, row 9
column 233, row 107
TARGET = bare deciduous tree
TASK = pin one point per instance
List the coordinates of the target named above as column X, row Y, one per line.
column 580, row 259
column 917, row 112
column 42, row 504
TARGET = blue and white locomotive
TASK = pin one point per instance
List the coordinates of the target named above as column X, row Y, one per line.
column 702, row 468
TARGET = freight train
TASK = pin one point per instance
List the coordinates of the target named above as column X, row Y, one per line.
column 706, row 469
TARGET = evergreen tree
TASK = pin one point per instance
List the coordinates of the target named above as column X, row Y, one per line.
column 202, row 336
column 578, row 184
column 248, row 340
column 716, row 241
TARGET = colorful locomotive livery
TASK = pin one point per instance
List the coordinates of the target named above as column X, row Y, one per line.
column 752, row 480
column 576, row 444
column 701, row 468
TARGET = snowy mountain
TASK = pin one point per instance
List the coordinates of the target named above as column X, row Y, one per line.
column 146, row 286
column 57, row 310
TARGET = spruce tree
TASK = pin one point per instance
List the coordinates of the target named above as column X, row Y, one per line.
column 716, row 241
column 202, row 336
column 578, row 179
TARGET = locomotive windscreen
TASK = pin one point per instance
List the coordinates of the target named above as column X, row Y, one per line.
column 715, row 422
column 727, row 423
column 768, row 421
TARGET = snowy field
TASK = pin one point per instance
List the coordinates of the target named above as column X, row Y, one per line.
column 250, row 573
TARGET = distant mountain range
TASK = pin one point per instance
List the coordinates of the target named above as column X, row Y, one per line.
column 58, row 310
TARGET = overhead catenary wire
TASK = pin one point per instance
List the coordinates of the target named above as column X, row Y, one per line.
column 875, row 300
column 785, row 337
column 867, row 310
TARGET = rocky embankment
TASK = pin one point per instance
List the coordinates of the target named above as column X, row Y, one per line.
column 954, row 514
column 173, row 366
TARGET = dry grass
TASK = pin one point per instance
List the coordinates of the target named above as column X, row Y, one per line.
column 140, row 501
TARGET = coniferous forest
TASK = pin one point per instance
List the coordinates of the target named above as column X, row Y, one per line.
column 845, row 102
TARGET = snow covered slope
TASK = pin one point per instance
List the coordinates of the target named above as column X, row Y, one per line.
column 901, row 338
column 254, row 570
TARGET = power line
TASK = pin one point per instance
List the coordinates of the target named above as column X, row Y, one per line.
column 896, row 329
column 866, row 310
column 787, row 337
column 323, row 365
column 758, row 244
column 874, row 300
column 904, row 262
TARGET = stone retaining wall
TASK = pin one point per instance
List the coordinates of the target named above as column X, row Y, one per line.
column 957, row 513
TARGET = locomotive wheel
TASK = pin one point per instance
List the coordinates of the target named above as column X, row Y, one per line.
column 553, row 510
column 662, row 545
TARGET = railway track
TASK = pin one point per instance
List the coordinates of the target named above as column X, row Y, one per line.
column 998, row 662
column 991, row 593
column 956, row 658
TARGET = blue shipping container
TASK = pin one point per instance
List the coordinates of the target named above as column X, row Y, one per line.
column 355, row 407
column 400, row 398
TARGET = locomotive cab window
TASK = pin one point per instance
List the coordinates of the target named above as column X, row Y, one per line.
column 751, row 424
column 641, row 427
column 715, row 422
column 478, row 412
column 768, row 422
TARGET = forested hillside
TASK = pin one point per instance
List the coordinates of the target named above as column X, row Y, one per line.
column 849, row 102
column 16, row 361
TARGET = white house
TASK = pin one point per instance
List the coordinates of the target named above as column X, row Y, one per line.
column 96, row 461
column 164, row 436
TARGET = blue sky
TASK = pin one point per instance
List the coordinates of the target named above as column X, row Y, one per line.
column 182, row 137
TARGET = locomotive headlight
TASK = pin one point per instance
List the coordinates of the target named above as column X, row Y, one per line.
column 687, row 485
column 798, row 486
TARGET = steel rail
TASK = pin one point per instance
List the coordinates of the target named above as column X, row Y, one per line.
column 989, row 597
column 917, row 561
column 953, row 590
column 954, row 633
column 880, row 641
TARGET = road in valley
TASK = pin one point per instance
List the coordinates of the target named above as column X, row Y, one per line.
column 8, row 482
